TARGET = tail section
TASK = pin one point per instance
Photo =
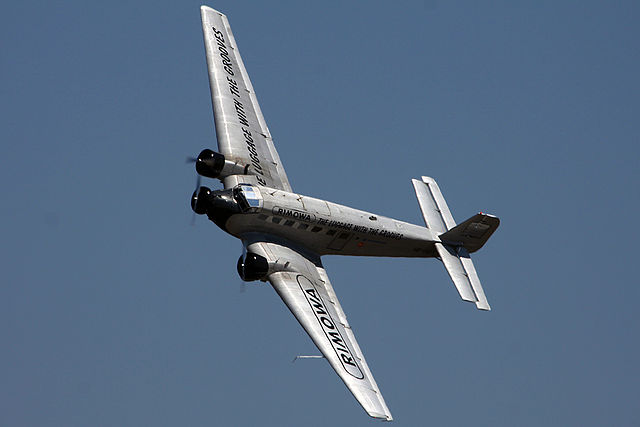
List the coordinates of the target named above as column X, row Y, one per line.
column 456, row 241
column 461, row 270
column 473, row 233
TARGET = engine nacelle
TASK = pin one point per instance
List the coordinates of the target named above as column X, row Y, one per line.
column 214, row 165
column 252, row 267
column 199, row 201
column 219, row 205
column 209, row 163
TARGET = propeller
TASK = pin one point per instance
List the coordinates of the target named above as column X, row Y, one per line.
column 243, row 284
column 198, row 184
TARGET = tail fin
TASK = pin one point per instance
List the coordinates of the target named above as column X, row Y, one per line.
column 456, row 242
column 473, row 233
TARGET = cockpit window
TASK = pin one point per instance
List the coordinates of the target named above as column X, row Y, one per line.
column 248, row 197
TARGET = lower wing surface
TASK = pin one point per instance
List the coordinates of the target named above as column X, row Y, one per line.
column 305, row 288
column 242, row 133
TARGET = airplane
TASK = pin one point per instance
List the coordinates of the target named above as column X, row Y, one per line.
column 285, row 234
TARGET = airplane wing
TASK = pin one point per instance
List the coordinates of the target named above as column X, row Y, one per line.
column 242, row 133
column 305, row 289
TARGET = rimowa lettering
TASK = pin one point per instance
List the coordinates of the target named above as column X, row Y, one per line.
column 329, row 327
column 292, row 213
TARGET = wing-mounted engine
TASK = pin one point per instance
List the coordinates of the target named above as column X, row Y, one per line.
column 252, row 266
column 214, row 165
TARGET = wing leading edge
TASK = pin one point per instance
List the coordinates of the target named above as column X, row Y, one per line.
column 306, row 290
column 242, row 133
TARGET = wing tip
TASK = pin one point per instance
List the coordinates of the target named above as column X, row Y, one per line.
column 428, row 179
column 483, row 305
column 380, row 416
column 204, row 9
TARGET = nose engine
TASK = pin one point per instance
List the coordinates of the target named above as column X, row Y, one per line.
column 252, row 267
column 219, row 205
column 199, row 200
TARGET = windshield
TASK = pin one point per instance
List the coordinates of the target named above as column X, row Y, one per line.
column 248, row 197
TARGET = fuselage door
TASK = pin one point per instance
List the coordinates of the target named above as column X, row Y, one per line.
column 339, row 242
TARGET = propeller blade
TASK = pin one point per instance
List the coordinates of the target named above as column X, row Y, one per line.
column 198, row 184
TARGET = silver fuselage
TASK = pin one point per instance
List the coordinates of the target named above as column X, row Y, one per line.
column 329, row 228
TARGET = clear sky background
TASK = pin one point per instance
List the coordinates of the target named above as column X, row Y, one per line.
column 115, row 311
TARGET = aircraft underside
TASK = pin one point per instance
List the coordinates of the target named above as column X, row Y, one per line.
column 284, row 234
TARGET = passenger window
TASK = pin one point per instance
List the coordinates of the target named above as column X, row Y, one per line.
column 316, row 229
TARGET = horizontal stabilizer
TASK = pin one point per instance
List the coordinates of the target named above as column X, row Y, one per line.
column 457, row 240
column 463, row 274
column 434, row 209
column 473, row 233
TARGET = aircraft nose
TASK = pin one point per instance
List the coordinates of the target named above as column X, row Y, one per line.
column 199, row 200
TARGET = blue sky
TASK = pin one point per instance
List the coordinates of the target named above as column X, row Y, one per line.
column 114, row 310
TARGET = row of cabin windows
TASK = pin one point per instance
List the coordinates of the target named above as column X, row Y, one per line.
column 301, row 226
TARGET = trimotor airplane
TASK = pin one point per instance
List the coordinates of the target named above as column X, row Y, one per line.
column 284, row 234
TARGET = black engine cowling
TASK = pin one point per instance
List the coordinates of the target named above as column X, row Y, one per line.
column 209, row 163
column 199, row 200
column 252, row 267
